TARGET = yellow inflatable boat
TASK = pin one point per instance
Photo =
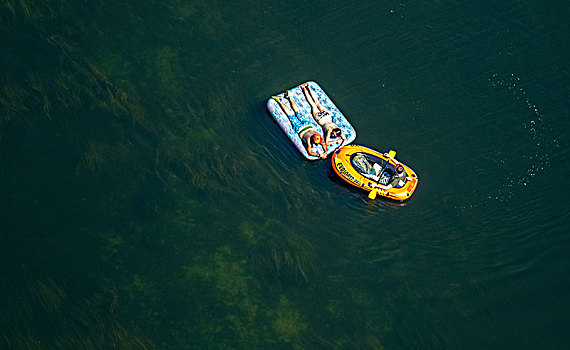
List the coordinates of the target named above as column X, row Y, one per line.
column 375, row 172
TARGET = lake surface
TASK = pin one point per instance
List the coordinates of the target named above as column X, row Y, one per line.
column 149, row 201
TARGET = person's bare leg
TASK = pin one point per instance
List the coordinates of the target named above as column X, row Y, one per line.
column 315, row 98
column 309, row 98
column 283, row 105
column 294, row 104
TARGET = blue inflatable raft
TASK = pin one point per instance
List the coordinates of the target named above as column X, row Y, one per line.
column 292, row 133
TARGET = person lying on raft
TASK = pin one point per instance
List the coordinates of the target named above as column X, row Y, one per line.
column 302, row 126
column 323, row 116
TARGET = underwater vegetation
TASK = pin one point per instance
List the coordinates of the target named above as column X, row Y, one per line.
column 281, row 253
column 47, row 315
column 115, row 141
column 251, row 321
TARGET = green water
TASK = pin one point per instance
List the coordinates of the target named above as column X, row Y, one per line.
column 150, row 202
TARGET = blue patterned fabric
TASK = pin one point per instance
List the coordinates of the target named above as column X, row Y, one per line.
column 290, row 126
column 300, row 120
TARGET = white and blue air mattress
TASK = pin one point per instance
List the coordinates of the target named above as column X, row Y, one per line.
column 285, row 123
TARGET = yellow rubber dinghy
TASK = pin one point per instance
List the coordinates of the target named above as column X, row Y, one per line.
column 379, row 173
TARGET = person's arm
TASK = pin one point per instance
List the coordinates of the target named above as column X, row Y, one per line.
column 324, row 155
column 310, row 150
column 343, row 139
column 328, row 138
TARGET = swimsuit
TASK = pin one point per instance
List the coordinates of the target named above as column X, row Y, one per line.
column 323, row 118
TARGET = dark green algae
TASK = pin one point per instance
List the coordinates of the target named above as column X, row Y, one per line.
column 107, row 163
